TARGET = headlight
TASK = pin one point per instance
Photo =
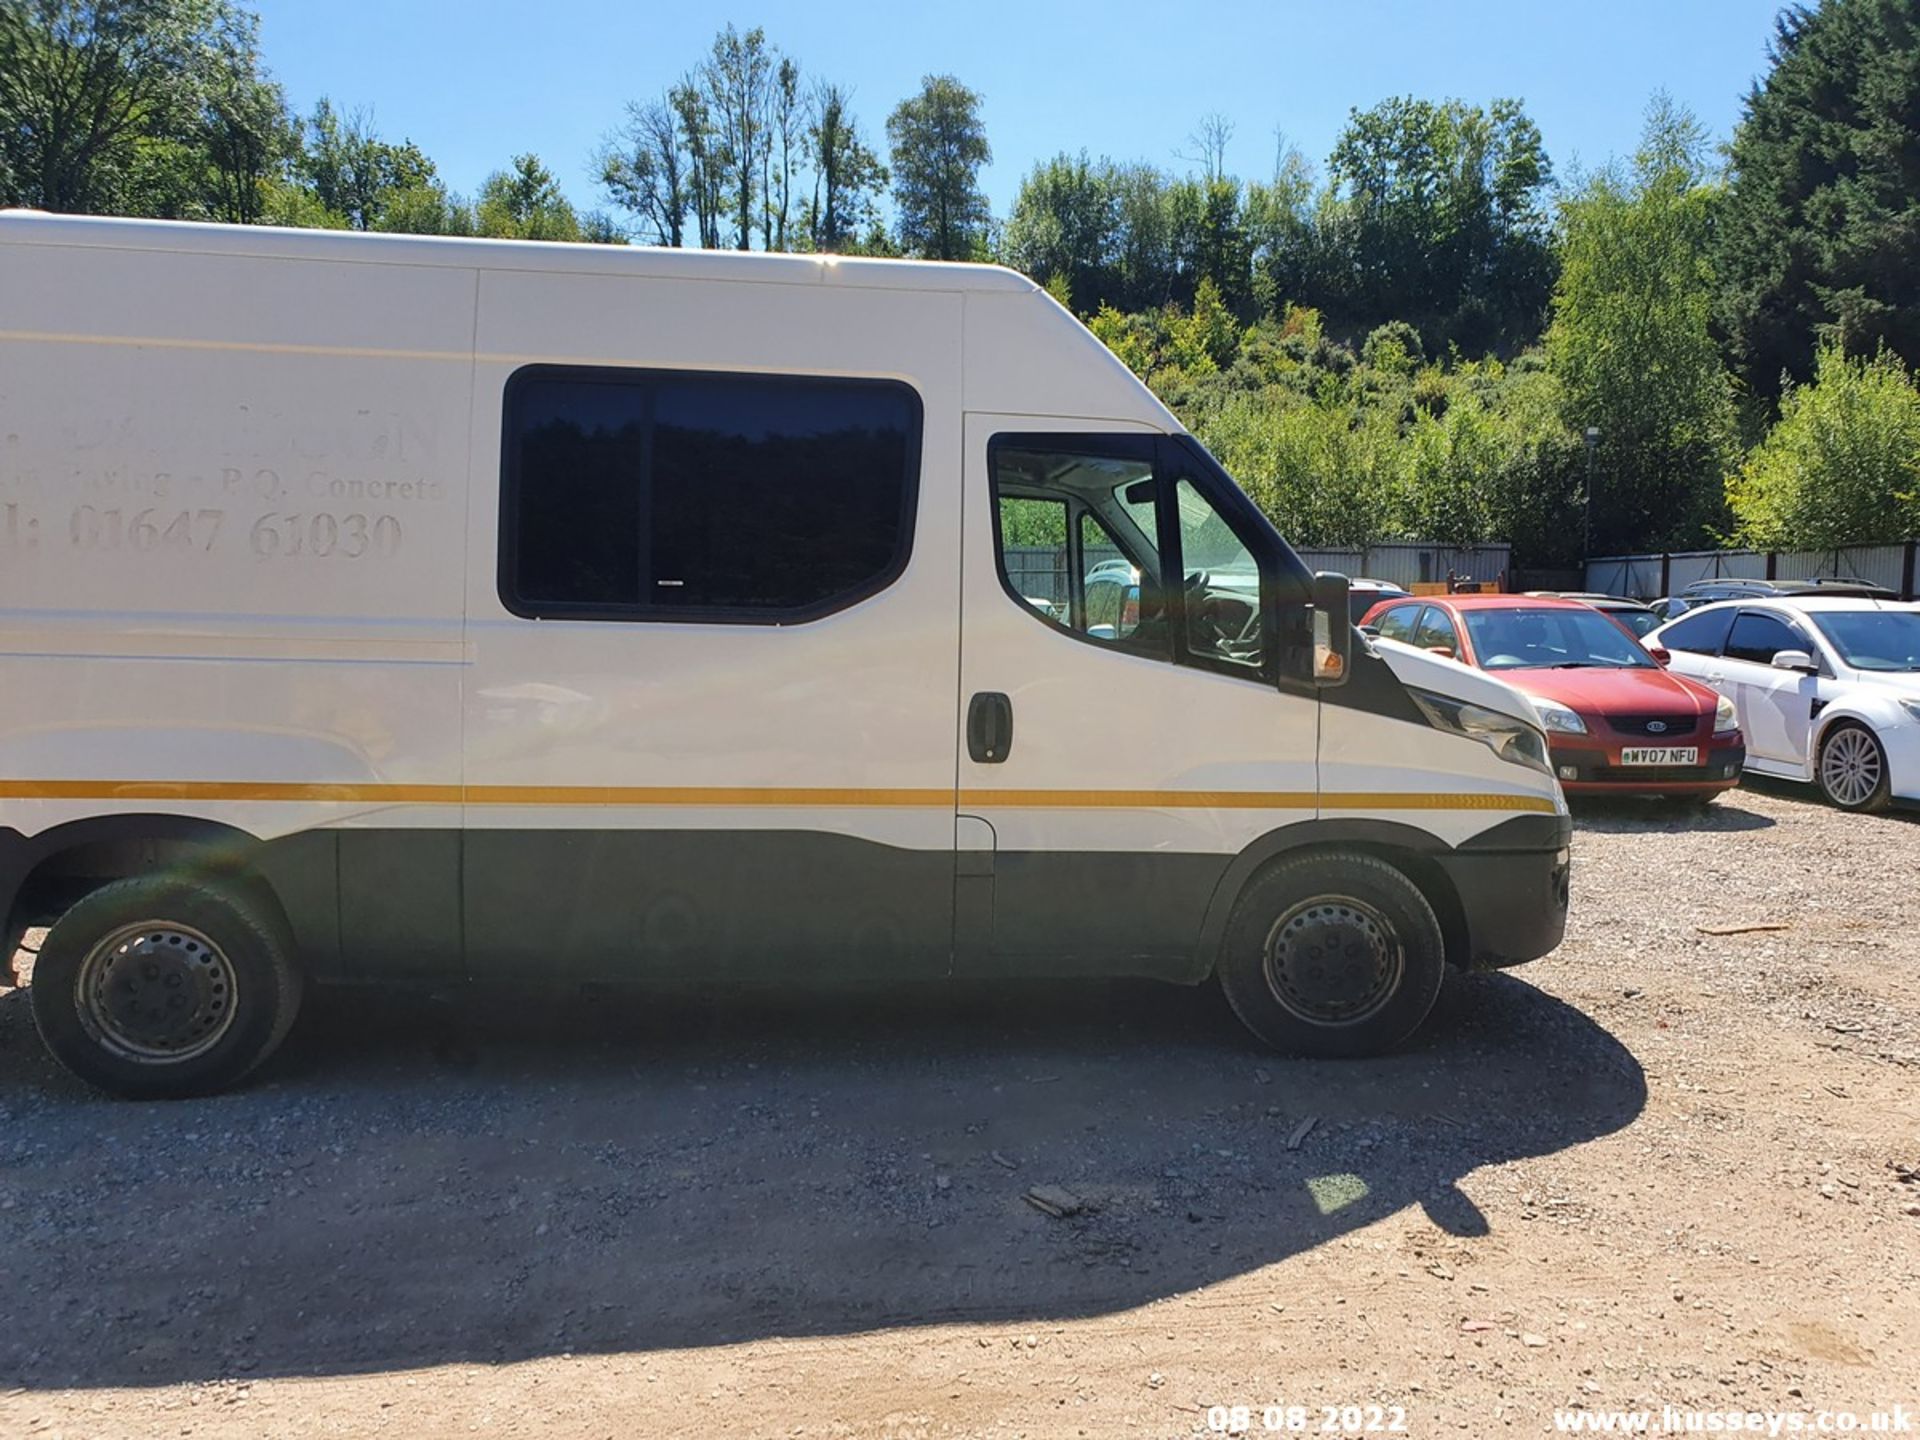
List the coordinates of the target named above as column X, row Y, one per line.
column 1507, row 737
column 1912, row 707
column 1725, row 718
column 1560, row 718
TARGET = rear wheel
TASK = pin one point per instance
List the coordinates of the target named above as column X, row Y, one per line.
column 157, row 988
column 1332, row 953
column 1852, row 770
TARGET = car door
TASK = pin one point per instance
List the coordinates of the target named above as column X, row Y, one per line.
column 1775, row 706
column 1117, row 746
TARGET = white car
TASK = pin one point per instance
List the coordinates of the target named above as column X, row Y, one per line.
column 1828, row 688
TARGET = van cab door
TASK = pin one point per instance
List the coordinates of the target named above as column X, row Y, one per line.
column 1123, row 734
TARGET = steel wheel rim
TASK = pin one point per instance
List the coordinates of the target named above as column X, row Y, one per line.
column 1850, row 766
column 156, row 992
column 1333, row 961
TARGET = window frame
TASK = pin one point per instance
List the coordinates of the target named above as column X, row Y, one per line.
column 1114, row 445
column 1445, row 617
column 1800, row 638
column 507, row 520
column 1411, row 608
column 1697, row 614
column 1170, row 458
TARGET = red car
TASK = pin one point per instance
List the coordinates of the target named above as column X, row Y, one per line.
column 1617, row 721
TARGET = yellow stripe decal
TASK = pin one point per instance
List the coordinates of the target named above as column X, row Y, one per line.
column 759, row 796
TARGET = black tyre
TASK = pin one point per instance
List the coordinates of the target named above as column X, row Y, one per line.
column 1852, row 768
column 1332, row 953
column 156, row 988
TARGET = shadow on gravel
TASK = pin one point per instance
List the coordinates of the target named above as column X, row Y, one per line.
column 490, row 1179
column 1624, row 814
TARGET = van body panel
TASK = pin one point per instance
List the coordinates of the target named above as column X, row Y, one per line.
column 694, row 765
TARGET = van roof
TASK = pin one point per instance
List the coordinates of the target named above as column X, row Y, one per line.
column 33, row 227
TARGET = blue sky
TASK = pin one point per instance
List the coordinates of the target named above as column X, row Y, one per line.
column 476, row 82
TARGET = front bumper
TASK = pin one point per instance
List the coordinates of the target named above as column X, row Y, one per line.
column 1596, row 769
column 1513, row 884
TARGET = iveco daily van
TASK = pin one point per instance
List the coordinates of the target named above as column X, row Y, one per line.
column 383, row 608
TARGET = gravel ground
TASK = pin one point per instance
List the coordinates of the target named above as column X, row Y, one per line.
column 1661, row 1167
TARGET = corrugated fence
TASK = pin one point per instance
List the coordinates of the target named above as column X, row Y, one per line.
column 1648, row 577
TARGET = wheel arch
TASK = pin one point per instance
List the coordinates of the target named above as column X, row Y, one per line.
column 45, row 873
column 1411, row 850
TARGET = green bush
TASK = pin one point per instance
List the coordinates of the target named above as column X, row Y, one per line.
column 1842, row 467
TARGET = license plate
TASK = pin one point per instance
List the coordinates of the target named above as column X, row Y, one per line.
column 1660, row 755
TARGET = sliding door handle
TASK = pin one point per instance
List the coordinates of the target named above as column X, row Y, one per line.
column 989, row 727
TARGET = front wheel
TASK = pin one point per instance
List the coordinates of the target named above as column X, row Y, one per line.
column 1852, row 769
column 1333, row 953
column 156, row 988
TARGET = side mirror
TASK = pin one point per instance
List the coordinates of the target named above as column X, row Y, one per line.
column 1445, row 652
column 1332, row 630
column 1795, row 660
column 1661, row 655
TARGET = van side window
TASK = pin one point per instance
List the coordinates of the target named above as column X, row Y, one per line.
column 1069, row 546
column 634, row 495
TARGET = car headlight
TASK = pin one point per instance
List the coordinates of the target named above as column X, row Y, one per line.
column 1560, row 718
column 1507, row 737
column 1726, row 719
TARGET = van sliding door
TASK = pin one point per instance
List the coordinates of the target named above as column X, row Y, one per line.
column 714, row 642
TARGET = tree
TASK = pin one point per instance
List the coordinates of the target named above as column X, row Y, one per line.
column 938, row 145
column 777, row 160
column 1446, row 221
column 1632, row 343
column 1821, row 231
column 847, row 176
column 646, row 171
column 706, row 178
column 109, row 106
column 353, row 172
column 246, row 132
column 525, row 203
column 736, row 83
column 1842, row 467
column 1065, row 223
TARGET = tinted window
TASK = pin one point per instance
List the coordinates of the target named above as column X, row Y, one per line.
column 1435, row 631
column 1701, row 632
column 630, row 494
column 1758, row 637
column 1397, row 623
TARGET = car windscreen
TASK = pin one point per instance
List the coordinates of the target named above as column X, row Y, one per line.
column 1873, row 639
column 1522, row 638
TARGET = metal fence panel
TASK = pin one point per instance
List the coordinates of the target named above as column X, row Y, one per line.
column 1877, row 564
column 1639, row 575
column 1407, row 563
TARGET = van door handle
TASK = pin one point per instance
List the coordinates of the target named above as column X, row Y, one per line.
column 989, row 727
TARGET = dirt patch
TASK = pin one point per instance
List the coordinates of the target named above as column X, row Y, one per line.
column 1662, row 1167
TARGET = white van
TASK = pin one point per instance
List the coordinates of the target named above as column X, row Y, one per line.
column 384, row 608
